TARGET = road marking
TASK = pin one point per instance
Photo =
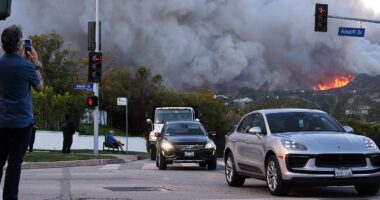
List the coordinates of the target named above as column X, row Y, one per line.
column 189, row 164
column 268, row 198
column 149, row 166
column 66, row 184
column 110, row 167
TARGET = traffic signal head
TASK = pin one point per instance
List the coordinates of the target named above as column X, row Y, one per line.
column 321, row 14
column 94, row 67
column 92, row 101
column 5, row 9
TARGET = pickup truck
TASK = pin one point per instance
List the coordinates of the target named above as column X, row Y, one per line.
column 163, row 115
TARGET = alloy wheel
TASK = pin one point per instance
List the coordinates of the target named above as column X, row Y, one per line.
column 229, row 169
column 272, row 175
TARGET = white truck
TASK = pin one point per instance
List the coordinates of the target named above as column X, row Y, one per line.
column 165, row 114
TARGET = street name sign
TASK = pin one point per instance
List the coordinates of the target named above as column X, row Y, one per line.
column 353, row 32
column 88, row 87
column 121, row 101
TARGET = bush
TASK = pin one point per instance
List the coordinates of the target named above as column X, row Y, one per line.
column 362, row 127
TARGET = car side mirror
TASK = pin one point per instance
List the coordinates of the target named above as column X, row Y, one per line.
column 197, row 120
column 255, row 130
column 158, row 134
column 149, row 121
column 235, row 127
column 212, row 134
column 348, row 129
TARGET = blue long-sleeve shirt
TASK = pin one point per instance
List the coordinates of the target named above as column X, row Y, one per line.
column 110, row 138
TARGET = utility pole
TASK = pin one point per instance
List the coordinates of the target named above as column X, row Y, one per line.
column 126, row 126
column 96, row 85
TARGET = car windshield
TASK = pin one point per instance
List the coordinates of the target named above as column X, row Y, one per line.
column 302, row 121
column 163, row 116
column 184, row 129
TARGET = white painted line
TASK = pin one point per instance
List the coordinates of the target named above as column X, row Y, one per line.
column 220, row 162
column 190, row 164
column 110, row 167
column 149, row 166
column 268, row 198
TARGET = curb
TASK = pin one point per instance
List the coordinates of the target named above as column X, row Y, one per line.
column 80, row 163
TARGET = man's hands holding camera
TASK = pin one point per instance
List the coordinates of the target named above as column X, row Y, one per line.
column 32, row 56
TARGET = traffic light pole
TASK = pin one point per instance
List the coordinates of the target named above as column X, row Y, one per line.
column 96, row 85
column 354, row 19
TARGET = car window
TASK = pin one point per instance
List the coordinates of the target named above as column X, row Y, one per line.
column 184, row 129
column 302, row 121
column 259, row 121
column 246, row 124
column 168, row 115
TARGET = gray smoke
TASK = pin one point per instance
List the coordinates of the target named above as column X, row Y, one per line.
column 214, row 43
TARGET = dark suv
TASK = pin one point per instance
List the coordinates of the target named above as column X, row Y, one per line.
column 185, row 142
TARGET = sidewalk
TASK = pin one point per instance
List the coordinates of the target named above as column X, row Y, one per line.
column 77, row 163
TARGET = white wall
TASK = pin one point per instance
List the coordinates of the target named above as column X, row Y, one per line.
column 53, row 140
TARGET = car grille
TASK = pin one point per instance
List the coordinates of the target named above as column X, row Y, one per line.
column 340, row 160
column 375, row 160
column 297, row 161
column 193, row 147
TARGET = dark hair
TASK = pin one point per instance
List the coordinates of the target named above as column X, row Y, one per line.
column 10, row 39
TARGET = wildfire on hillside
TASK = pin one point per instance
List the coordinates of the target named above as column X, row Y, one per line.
column 334, row 82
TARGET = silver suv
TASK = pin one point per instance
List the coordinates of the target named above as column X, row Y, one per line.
column 287, row 147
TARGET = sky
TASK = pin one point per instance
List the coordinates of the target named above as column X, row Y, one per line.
column 217, row 44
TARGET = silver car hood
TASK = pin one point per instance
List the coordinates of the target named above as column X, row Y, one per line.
column 328, row 142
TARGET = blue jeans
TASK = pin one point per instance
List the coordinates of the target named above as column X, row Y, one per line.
column 13, row 145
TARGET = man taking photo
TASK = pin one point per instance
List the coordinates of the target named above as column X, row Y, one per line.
column 19, row 71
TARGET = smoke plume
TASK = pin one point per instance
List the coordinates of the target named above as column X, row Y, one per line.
column 214, row 43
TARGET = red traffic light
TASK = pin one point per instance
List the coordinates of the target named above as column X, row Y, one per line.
column 322, row 10
column 321, row 15
column 94, row 67
column 92, row 101
column 97, row 58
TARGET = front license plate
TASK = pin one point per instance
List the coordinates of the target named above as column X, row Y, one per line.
column 189, row 154
column 343, row 173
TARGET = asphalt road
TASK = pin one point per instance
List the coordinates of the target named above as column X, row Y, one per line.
column 142, row 180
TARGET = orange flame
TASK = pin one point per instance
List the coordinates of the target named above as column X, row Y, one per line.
column 334, row 82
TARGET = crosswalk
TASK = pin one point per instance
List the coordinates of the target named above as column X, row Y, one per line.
column 151, row 165
column 110, row 167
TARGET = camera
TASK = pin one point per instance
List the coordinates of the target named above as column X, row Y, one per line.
column 28, row 45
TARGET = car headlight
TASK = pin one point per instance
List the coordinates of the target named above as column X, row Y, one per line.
column 152, row 138
column 210, row 145
column 370, row 144
column 166, row 146
column 292, row 145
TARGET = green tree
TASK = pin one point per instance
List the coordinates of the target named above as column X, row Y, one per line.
column 60, row 68
column 283, row 103
column 60, row 71
column 116, row 82
column 50, row 108
column 141, row 89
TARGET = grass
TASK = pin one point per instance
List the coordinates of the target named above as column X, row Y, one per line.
column 52, row 156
